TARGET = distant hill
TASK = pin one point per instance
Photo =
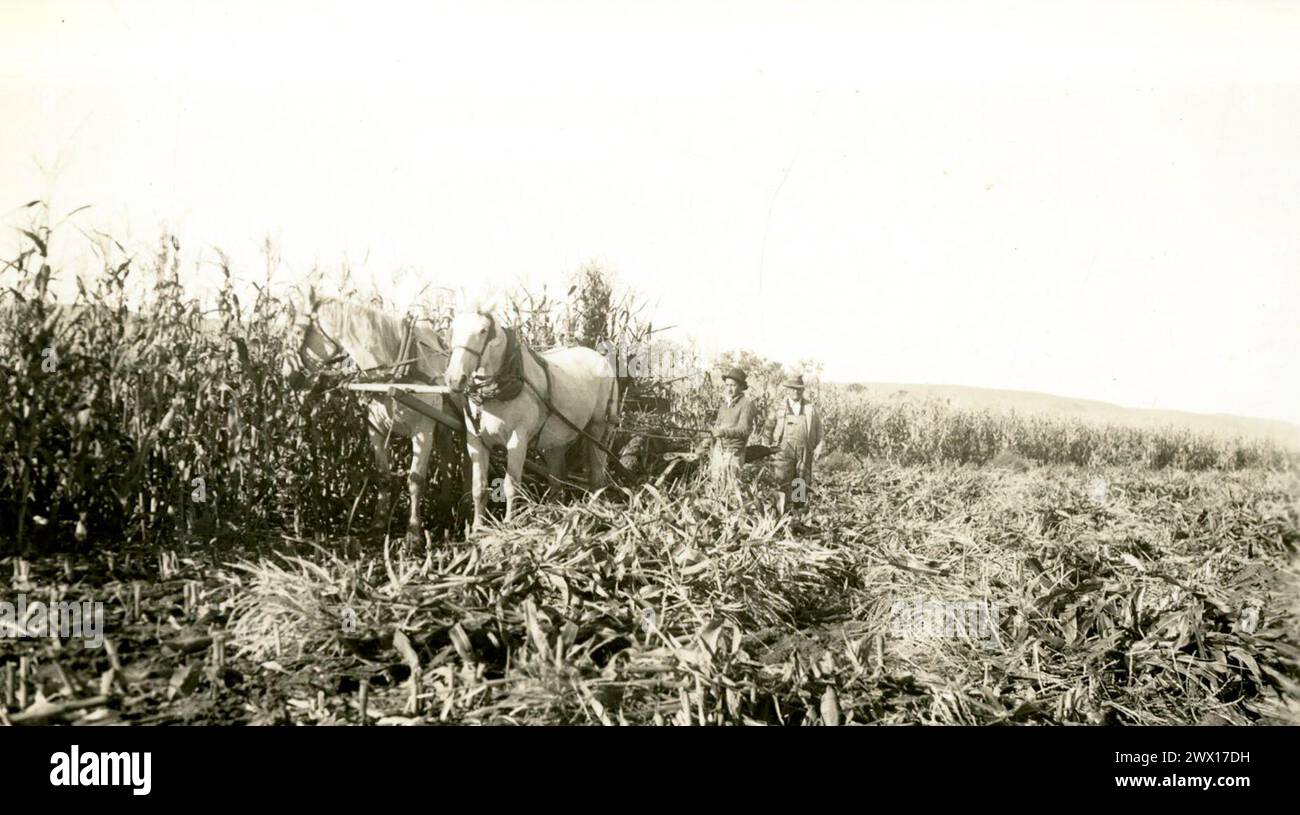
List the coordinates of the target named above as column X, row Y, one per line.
column 1028, row 402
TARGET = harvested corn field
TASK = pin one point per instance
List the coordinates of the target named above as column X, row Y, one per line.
column 946, row 595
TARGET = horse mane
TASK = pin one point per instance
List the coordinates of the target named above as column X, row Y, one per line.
column 378, row 333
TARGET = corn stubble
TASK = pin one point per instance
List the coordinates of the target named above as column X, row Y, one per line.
column 1170, row 603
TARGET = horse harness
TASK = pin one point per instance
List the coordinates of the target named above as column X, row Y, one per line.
column 404, row 370
column 510, row 381
column 339, row 354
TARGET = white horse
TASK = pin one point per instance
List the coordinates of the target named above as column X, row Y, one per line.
column 328, row 331
column 514, row 395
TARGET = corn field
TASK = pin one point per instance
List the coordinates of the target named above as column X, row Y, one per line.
column 934, row 433
column 153, row 458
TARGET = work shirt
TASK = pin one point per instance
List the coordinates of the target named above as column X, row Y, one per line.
column 798, row 434
column 734, row 423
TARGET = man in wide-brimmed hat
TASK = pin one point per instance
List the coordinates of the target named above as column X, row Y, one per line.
column 731, row 429
column 798, row 439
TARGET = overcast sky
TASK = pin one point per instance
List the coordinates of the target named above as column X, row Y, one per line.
column 1097, row 199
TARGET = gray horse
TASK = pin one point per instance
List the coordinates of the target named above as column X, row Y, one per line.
column 518, row 397
column 330, row 330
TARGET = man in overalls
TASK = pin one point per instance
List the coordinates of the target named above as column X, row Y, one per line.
column 731, row 429
column 798, row 439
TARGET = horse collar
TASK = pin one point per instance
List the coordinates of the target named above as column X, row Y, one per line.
column 506, row 383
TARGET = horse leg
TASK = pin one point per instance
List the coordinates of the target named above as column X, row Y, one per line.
column 600, row 429
column 557, row 465
column 516, row 452
column 479, row 462
column 379, row 443
column 421, row 447
column 596, row 457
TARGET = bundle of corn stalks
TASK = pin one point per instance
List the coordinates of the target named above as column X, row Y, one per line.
column 592, row 612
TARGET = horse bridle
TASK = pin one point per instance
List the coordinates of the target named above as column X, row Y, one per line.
column 338, row 356
column 491, row 335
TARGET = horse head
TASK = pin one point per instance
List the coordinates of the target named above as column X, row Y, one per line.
column 476, row 344
column 314, row 347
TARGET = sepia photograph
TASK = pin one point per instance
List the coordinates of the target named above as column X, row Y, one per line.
column 718, row 363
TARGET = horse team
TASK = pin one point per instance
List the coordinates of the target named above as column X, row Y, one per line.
column 506, row 394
